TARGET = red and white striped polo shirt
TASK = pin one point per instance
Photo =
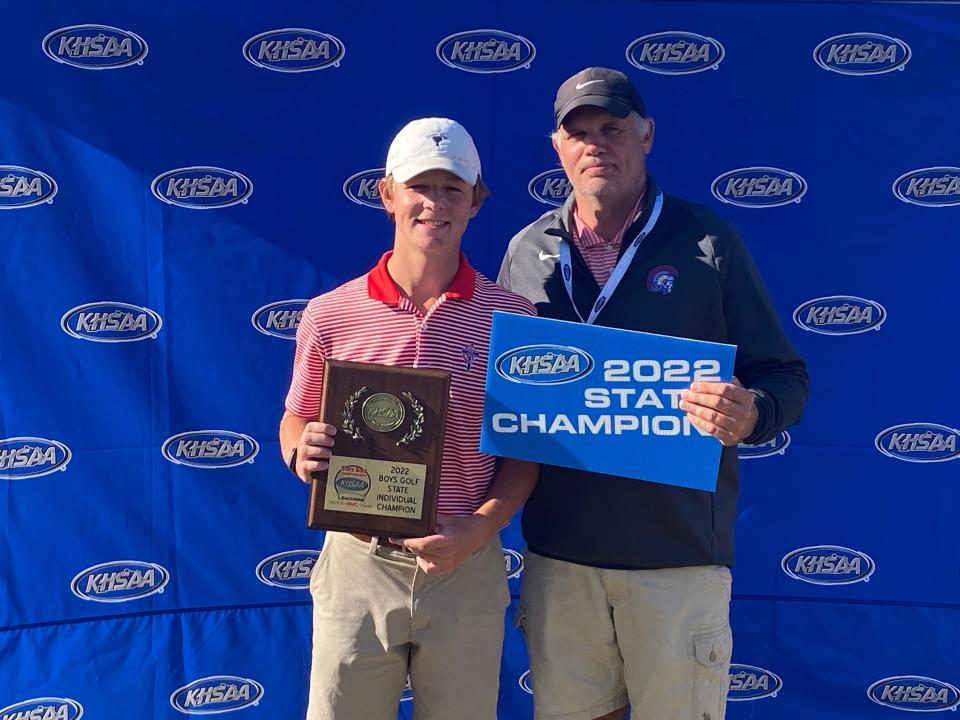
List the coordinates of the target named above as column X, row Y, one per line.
column 599, row 254
column 369, row 320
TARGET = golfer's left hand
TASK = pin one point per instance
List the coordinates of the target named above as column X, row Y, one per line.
column 456, row 539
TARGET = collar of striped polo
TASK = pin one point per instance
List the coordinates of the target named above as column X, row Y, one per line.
column 380, row 286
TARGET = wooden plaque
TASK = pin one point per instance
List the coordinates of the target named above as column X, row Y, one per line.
column 384, row 474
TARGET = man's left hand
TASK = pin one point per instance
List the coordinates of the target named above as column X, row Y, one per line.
column 456, row 539
column 725, row 410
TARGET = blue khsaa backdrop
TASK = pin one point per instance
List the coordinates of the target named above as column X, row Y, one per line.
column 176, row 180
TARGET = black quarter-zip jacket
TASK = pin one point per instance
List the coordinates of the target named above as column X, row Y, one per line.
column 718, row 295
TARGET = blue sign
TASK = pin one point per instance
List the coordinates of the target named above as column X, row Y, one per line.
column 601, row 399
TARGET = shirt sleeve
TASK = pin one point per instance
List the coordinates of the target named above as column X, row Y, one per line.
column 767, row 363
column 503, row 278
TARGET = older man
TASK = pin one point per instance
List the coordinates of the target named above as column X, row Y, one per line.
column 433, row 606
column 626, row 591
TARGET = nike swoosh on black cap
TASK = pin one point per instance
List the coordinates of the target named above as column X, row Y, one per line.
column 599, row 87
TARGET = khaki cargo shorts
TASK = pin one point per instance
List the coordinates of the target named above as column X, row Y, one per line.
column 599, row 639
column 377, row 617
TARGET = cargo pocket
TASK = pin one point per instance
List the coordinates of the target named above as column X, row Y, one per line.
column 713, row 650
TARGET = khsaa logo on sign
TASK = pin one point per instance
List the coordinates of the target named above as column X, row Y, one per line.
column 210, row 449
column 828, row 565
column 748, row 682
column 544, row 364
column 279, row 319
column 290, row 569
column 551, row 187
column 95, row 47
column 294, row 50
column 840, row 315
column 914, row 693
column 486, row 51
column 31, row 457
column 21, row 187
column 862, row 53
column 919, row 442
column 775, row 446
column 675, row 53
column 43, row 708
column 759, row 187
column 361, row 188
column 119, row 581
column 216, row 694
column 111, row 322
column 929, row 187
column 202, row 187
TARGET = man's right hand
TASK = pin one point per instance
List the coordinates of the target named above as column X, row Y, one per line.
column 313, row 449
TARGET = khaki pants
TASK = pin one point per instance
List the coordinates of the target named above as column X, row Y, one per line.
column 598, row 639
column 377, row 617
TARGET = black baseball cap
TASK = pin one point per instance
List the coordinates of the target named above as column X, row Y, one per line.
column 600, row 87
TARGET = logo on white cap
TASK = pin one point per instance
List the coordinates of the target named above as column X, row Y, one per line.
column 433, row 144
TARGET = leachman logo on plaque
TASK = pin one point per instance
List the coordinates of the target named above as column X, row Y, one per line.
column 600, row 399
column 384, row 473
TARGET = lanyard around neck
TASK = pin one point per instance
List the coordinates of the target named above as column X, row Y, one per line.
column 618, row 271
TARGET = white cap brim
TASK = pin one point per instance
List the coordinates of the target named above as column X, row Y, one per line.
column 412, row 168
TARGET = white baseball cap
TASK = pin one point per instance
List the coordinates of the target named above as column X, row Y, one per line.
column 433, row 144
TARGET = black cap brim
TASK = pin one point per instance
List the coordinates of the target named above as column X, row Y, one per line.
column 611, row 105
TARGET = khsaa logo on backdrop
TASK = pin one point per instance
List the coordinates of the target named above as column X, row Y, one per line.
column 31, row 457
column 524, row 683
column 361, row 188
column 914, row 693
column 486, row 51
column 513, row 561
column 759, row 187
column 828, row 565
column 748, row 682
column 551, row 187
column 95, row 47
column 919, row 442
column 929, row 187
column 21, row 187
column 675, row 52
column 43, row 708
column 840, row 315
column 210, row 449
column 119, row 581
column 294, row 50
column 279, row 319
column 202, row 187
column 775, row 446
column 544, row 364
column 290, row 569
column 111, row 322
column 216, row 694
column 862, row 53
